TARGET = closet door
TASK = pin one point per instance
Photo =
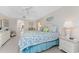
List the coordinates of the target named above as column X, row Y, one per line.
column 5, row 23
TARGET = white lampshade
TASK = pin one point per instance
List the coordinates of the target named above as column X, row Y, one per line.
column 39, row 24
column 68, row 24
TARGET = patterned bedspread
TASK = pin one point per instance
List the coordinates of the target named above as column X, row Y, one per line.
column 33, row 38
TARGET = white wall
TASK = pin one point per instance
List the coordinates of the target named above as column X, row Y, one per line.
column 59, row 16
column 13, row 24
column 63, row 14
column 67, row 13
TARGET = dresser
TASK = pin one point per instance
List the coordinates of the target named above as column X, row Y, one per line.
column 4, row 36
column 68, row 45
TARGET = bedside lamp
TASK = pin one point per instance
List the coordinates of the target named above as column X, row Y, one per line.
column 68, row 28
column 39, row 26
column 68, row 24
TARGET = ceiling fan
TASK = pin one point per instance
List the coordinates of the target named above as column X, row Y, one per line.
column 28, row 12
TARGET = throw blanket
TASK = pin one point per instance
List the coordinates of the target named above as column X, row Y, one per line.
column 34, row 38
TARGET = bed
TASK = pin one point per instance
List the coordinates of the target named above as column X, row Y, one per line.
column 33, row 42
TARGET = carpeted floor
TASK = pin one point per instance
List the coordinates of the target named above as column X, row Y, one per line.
column 11, row 46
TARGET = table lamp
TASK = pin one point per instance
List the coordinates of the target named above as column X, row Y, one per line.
column 39, row 26
column 68, row 28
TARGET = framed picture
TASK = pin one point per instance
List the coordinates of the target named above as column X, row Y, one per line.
column 49, row 18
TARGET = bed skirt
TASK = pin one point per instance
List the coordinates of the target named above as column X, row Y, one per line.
column 40, row 47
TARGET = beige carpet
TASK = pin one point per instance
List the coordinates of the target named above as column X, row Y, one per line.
column 11, row 46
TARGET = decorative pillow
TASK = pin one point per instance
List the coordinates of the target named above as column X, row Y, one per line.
column 53, row 29
column 45, row 29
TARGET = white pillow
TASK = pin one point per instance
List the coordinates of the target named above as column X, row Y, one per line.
column 53, row 29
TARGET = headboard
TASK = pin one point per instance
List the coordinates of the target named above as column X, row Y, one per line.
column 44, row 25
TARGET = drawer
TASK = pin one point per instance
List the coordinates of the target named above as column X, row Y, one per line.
column 65, row 43
column 67, row 46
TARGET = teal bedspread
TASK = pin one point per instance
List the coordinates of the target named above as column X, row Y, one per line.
column 32, row 42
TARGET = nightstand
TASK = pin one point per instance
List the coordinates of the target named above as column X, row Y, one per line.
column 68, row 45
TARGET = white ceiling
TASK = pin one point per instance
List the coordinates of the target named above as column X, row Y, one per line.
column 36, row 12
